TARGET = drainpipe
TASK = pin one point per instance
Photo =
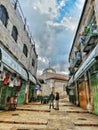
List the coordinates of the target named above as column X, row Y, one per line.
column 86, row 84
column 77, row 93
column 90, row 100
column 27, row 92
column 26, row 89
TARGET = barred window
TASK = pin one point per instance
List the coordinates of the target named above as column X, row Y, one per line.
column 33, row 62
column 25, row 50
column 4, row 15
column 14, row 33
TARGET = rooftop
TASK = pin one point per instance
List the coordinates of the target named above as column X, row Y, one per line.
column 58, row 78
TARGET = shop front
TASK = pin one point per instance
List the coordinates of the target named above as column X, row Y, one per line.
column 82, row 93
column 30, row 93
column 72, row 93
column 83, row 80
column 94, row 87
column 71, row 90
column 11, row 77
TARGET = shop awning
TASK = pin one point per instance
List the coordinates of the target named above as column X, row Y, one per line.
column 32, row 78
column 88, row 63
column 12, row 64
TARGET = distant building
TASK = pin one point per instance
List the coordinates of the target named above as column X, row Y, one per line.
column 51, row 81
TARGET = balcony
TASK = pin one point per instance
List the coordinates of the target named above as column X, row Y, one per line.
column 77, row 59
column 90, row 36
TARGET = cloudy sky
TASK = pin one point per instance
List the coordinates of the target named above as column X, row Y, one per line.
column 53, row 24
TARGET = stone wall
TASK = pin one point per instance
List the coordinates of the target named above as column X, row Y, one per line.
column 16, row 48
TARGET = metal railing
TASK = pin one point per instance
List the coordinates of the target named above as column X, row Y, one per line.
column 92, row 31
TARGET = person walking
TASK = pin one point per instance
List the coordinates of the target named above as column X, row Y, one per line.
column 51, row 99
column 57, row 101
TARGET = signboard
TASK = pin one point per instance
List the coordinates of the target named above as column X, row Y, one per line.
column 31, row 78
column 9, row 61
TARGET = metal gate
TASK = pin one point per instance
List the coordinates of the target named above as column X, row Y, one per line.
column 21, row 94
column 82, row 95
column 94, row 89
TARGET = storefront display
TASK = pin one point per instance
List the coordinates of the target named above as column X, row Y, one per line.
column 11, row 75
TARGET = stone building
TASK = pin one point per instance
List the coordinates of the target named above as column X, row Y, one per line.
column 51, row 81
column 18, row 57
column 83, row 59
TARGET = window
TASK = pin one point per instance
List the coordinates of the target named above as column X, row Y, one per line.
column 33, row 62
column 25, row 50
column 4, row 15
column 14, row 33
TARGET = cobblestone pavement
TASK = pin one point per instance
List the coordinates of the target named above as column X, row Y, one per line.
column 36, row 116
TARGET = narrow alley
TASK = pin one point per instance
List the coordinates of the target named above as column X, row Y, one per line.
column 37, row 116
column 48, row 51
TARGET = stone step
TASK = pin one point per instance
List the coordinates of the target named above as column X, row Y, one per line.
column 22, row 128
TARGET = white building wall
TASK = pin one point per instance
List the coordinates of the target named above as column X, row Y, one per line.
column 59, row 87
column 8, row 42
column 45, row 89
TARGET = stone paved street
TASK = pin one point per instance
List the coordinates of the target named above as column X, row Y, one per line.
column 36, row 116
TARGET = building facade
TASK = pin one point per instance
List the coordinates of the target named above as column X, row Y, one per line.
column 53, row 82
column 83, row 59
column 18, row 57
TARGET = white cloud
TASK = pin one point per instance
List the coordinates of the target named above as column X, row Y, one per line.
column 39, row 72
column 61, row 4
column 43, row 59
column 63, row 70
column 66, row 23
column 48, row 7
column 52, row 39
column 79, row 4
